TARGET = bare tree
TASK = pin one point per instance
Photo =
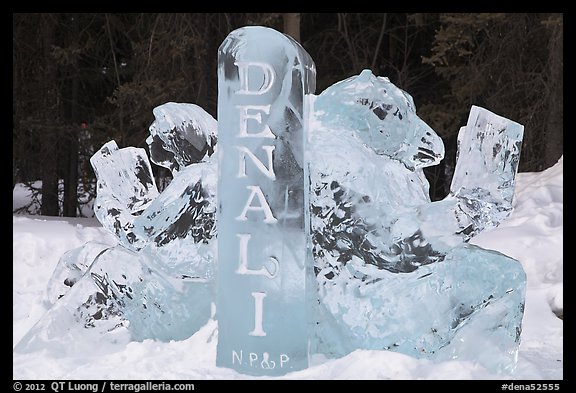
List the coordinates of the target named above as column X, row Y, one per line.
column 292, row 25
column 555, row 90
column 49, row 116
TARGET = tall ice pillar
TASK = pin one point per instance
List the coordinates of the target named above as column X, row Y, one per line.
column 263, row 76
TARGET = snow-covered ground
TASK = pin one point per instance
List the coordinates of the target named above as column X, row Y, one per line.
column 533, row 235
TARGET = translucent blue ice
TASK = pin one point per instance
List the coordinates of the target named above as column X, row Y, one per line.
column 383, row 117
column 181, row 134
column 391, row 266
column 488, row 157
column 120, row 298
column 159, row 281
column 125, row 187
column 263, row 76
column 327, row 238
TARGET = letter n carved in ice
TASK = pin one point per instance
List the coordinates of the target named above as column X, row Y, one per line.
column 263, row 76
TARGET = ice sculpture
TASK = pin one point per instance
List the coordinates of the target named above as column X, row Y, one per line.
column 391, row 267
column 71, row 267
column 120, row 298
column 484, row 179
column 125, row 187
column 263, row 76
column 327, row 239
column 181, row 134
column 159, row 282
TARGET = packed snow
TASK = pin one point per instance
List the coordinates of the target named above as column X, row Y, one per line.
column 533, row 235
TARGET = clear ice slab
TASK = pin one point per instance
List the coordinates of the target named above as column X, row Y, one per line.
column 120, row 298
column 71, row 267
column 125, row 187
column 485, row 177
column 263, row 76
column 179, row 225
column 393, row 269
column 468, row 306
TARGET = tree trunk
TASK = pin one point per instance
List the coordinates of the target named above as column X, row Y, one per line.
column 202, row 61
column 71, row 149
column 292, row 25
column 555, row 124
column 71, row 170
column 48, row 135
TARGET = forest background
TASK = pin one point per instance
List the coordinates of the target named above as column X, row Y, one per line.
column 82, row 79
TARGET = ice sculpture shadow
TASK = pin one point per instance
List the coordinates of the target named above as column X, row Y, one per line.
column 393, row 269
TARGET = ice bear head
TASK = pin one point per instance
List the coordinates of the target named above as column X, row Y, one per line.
column 181, row 134
column 383, row 116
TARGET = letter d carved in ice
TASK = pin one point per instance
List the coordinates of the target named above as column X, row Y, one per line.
column 263, row 76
